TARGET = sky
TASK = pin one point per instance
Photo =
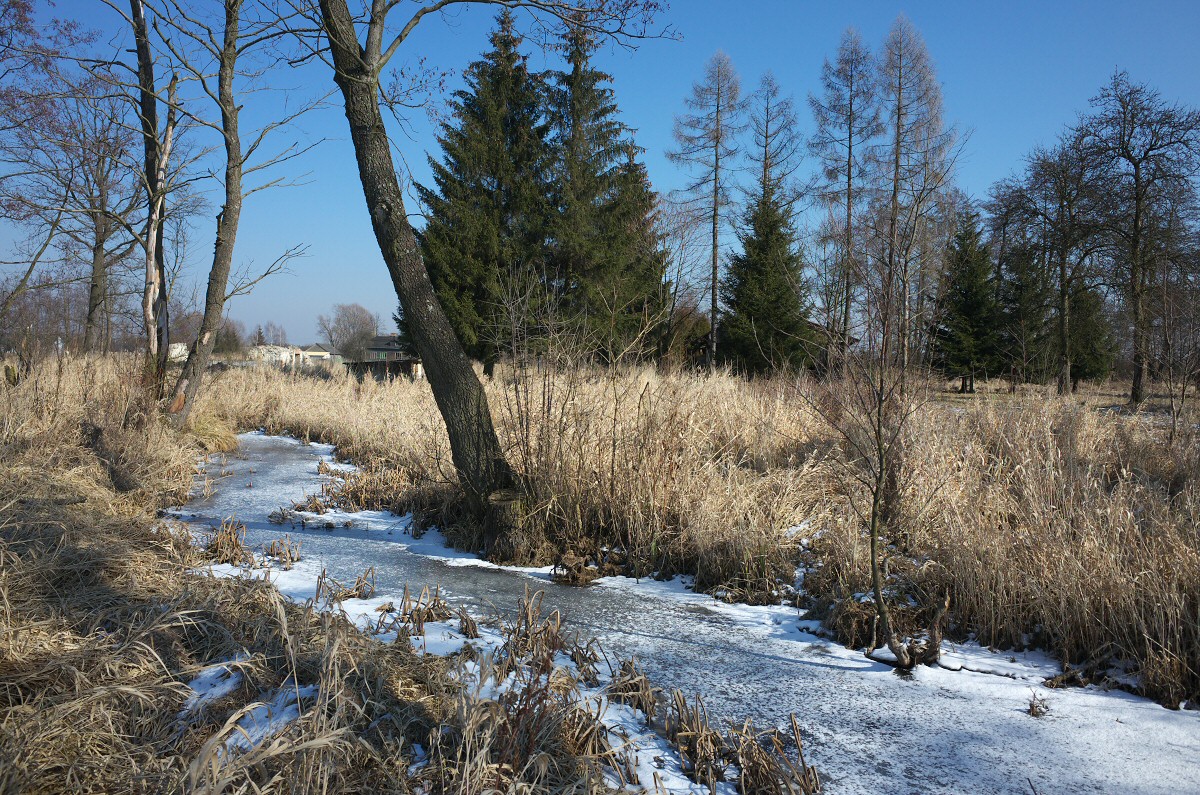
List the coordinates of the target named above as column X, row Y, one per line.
column 1013, row 74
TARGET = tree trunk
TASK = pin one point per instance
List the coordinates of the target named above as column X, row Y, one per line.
column 183, row 399
column 1137, row 283
column 843, row 343
column 1064, row 326
column 156, row 154
column 460, row 397
column 98, row 284
column 894, row 238
column 711, row 356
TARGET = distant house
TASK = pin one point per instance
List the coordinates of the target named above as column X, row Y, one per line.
column 387, row 357
column 318, row 354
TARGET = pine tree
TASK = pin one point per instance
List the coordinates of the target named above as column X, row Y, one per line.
column 486, row 234
column 966, row 341
column 765, row 325
column 1025, row 299
column 607, row 269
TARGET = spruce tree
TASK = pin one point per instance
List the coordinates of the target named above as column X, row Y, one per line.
column 765, row 324
column 966, row 342
column 1025, row 299
column 485, row 237
column 1093, row 347
column 636, row 293
column 607, row 269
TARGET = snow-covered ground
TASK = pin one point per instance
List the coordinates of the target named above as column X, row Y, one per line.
column 963, row 727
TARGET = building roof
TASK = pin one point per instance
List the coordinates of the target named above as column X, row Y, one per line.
column 317, row 347
column 390, row 343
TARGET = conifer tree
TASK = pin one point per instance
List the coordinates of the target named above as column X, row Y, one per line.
column 487, row 219
column 1093, row 347
column 765, row 325
column 636, row 295
column 966, row 341
column 606, row 267
column 1025, row 299
column 847, row 119
column 707, row 145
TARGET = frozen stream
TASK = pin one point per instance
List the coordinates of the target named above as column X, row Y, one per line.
column 867, row 729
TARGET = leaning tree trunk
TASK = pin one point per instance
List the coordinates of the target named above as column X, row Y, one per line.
column 183, row 400
column 475, row 448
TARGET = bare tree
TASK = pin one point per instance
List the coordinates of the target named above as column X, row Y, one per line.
column 156, row 148
column 92, row 135
column 223, row 54
column 1151, row 147
column 360, row 49
column 915, row 160
column 680, row 234
column 22, row 283
column 1059, row 199
column 25, row 55
column 870, row 408
column 36, row 188
column 707, row 143
column 274, row 334
column 349, row 329
column 847, row 117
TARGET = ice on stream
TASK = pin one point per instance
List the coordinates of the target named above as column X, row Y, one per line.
column 962, row 727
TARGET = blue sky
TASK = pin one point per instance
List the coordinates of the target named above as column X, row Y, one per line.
column 1013, row 74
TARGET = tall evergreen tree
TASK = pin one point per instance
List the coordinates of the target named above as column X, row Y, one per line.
column 765, row 324
column 486, row 234
column 1025, row 299
column 966, row 341
column 1093, row 347
column 606, row 267
column 636, row 295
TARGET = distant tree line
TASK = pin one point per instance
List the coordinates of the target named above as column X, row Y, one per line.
column 541, row 220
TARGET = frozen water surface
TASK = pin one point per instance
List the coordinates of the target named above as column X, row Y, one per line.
column 961, row 728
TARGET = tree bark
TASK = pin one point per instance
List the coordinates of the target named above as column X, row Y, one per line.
column 98, row 284
column 156, row 153
column 475, row 447
column 1064, row 325
column 716, row 232
column 183, row 399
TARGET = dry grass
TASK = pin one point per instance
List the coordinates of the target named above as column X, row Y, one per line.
column 103, row 619
column 679, row 473
column 1048, row 522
